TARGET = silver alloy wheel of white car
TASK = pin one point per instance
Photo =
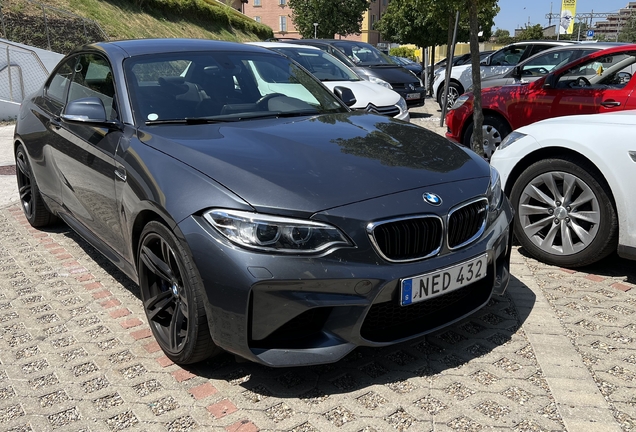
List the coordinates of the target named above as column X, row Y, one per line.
column 453, row 94
column 559, row 213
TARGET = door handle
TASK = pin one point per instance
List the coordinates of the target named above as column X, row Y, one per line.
column 609, row 104
column 120, row 174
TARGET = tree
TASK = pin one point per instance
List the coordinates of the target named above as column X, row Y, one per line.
column 628, row 30
column 332, row 16
column 502, row 36
column 425, row 22
column 534, row 32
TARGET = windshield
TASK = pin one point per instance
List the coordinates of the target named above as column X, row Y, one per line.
column 322, row 65
column 363, row 54
column 222, row 86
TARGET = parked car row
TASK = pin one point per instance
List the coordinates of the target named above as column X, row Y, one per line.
column 557, row 130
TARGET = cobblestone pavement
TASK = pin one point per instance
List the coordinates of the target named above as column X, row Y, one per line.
column 557, row 352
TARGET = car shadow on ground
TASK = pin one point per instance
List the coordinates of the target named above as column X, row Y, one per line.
column 95, row 255
column 419, row 115
column 610, row 266
column 451, row 347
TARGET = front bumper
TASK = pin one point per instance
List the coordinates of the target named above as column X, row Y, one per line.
column 456, row 121
column 412, row 103
column 291, row 310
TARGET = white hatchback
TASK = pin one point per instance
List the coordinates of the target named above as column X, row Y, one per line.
column 370, row 97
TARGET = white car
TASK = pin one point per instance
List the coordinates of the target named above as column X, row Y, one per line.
column 570, row 181
column 370, row 97
column 497, row 63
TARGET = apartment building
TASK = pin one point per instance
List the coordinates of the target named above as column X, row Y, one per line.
column 611, row 26
column 277, row 15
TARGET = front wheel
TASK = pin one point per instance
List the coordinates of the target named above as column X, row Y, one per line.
column 455, row 90
column 173, row 295
column 564, row 215
column 494, row 130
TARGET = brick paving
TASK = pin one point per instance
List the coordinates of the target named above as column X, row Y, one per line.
column 557, row 352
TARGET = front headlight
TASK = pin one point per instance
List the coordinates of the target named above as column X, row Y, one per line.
column 402, row 105
column 275, row 234
column 511, row 138
column 495, row 194
column 459, row 101
column 381, row 82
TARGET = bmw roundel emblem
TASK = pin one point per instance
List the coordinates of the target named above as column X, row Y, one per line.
column 432, row 199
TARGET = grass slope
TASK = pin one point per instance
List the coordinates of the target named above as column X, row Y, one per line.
column 129, row 19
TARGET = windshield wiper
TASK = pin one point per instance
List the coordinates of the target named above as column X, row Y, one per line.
column 189, row 121
column 279, row 114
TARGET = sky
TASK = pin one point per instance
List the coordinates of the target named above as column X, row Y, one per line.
column 516, row 13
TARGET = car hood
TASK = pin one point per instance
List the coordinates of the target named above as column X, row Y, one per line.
column 367, row 92
column 389, row 73
column 310, row 164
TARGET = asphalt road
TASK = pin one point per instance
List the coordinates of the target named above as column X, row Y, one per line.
column 557, row 352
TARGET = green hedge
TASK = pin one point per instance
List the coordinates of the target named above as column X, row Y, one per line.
column 403, row 52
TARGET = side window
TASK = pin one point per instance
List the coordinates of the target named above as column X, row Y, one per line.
column 56, row 88
column 94, row 78
column 544, row 63
column 536, row 49
column 609, row 71
column 508, row 56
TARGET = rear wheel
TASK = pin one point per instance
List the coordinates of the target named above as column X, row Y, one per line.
column 563, row 213
column 172, row 294
column 32, row 203
column 494, row 129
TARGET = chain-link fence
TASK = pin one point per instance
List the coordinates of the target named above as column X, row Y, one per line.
column 42, row 26
column 21, row 72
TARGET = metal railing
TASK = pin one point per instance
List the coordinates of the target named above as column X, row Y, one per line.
column 33, row 23
column 21, row 72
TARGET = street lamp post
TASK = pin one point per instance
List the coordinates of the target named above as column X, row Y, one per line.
column 315, row 30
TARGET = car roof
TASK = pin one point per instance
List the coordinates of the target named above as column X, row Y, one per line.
column 281, row 45
column 135, row 47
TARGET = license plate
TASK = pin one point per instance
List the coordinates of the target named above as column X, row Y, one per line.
column 413, row 95
column 430, row 285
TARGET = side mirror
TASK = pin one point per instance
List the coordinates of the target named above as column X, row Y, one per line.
column 485, row 62
column 89, row 111
column 516, row 72
column 346, row 95
column 550, row 81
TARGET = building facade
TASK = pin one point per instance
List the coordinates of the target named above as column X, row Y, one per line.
column 277, row 15
column 611, row 27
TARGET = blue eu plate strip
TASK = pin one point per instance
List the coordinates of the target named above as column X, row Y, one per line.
column 407, row 297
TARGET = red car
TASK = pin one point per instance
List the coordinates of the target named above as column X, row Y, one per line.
column 597, row 83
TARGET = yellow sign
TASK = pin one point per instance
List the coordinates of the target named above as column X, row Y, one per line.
column 568, row 12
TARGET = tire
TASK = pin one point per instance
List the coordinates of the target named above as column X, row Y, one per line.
column 31, row 200
column 172, row 294
column 455, row 90
column 495, row 130
column 549, row 199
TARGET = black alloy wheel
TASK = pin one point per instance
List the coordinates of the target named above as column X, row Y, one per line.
column 32, row 203
column 172, row 295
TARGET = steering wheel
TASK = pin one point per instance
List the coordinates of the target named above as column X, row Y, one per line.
column 262, row 102
column 542, row 71
column 582, row 82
